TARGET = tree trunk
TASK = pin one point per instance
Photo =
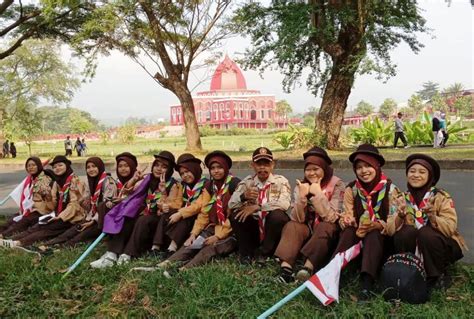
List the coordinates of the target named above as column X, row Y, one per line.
column 193, row 136
column 329, row 121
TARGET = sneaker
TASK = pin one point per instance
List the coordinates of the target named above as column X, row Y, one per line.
column 303, row 274
column 406, row 146
column 286, row 275
column 245, row 260
column 123, row 259
column 107, row 260
column 8, row 243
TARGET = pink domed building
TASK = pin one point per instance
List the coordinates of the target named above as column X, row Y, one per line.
column 229, row 103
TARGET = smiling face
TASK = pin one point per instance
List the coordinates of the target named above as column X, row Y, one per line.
column 217, row 171
column 159, row 168
column 186, row 175
column 59, row 168
column 31, row 167
column 313, row 173
column 263, row 169
column 123, row 169
column 92, row 170
column 365, row 172
column 417, row 176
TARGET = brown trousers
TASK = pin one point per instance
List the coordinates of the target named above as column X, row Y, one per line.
column 39, row 232
column 372, row 251
column 160, row 237
column 178, row 232
column 197, row 257
column 73, row 236
column 438, row 250
column 116, row 243
column 248, row 237
column 11, row 227
column 141, row 238
column 317, row 247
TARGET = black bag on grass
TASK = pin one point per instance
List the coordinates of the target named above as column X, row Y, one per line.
column 404, row 278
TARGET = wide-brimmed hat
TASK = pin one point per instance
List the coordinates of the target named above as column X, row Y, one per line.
column 60, row 159
column 368, row 149
column 217, row 154
column 262, row 153
column 128, row 155
column 187, row 158
column 317, row 151
column 434, row 164
column 167, row 156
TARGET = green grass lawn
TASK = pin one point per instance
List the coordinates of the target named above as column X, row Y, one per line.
column 240, row 147
column 222, row 289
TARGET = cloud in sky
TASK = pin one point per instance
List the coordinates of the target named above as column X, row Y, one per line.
column 121, row 88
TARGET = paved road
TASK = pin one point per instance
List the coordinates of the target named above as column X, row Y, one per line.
column 460, row 185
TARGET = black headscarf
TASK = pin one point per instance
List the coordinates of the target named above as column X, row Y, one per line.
column 133, row 168
column 93, row 181
column 419, row 193
column 155, row 181
column 38, row 163
column 61, row 179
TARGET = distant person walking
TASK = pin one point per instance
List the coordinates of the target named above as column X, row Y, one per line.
column 399, row 132
column 13, row 149
column 78, row 147
column 444, row 130
column 436, row 127
column 6, row 148
column 83, row 147
column 68, row 146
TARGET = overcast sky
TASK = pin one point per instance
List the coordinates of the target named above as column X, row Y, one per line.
column 121, row 88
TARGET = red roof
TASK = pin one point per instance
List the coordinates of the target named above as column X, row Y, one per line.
column 228, row 77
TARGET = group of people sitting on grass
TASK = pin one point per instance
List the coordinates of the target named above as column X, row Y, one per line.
column 185, row 223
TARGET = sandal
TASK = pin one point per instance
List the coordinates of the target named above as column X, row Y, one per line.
column 286, row 275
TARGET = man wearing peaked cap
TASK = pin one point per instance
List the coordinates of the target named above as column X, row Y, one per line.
column 258, row 208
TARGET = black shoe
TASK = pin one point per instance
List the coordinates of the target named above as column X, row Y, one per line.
column 365, row 295
column 286, row 275
column 245, row 260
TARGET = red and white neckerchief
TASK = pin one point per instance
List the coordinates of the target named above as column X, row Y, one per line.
column 119, row 185
column 96, row 195
column 26, row 194
column 366, row 198
column 328, row 191
column 195, row 192
column 63, row 194
column 421, row 219
column 262, row 199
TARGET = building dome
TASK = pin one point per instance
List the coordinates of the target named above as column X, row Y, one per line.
column 228, row 77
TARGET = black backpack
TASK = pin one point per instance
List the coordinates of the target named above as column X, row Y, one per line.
column 404, row 278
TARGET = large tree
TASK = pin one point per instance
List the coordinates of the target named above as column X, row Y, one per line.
column 23, row 20
column 34, row 73
column 429, row 90
column 335, row 39
column 364, row 108
column 166, row 38
column 388, row 107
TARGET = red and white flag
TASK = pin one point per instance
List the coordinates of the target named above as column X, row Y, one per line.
column 16, row 193
column 325, row 283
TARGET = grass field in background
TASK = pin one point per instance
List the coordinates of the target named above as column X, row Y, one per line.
column 239, row 147
column 221, row 289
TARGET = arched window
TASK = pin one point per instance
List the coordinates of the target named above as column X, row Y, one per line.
column 253, row 115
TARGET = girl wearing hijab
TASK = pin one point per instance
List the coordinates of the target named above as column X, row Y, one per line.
column 35, row 199
column 426, row 218
column 212, row 223
column 126, row 167
column 100, row 188
column 67, row 193
column 313, row 229
column 368, row 202
column 163, row 193
column 177, row 227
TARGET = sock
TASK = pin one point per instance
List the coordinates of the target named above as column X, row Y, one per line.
column 172, row 246
column 155, row 247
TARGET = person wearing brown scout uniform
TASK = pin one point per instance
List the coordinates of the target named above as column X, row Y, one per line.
column 368, row 202
column 212, row 222
column 313, row 229
column 259, row 208
column 67, row 193
column 36, row 199
column 180, row 224
column 100, row 188
column 426, row 218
